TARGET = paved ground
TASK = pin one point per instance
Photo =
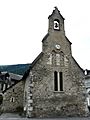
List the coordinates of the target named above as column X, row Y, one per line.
column 10, row 116
column 74, row 118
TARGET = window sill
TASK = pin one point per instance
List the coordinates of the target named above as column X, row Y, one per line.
column 58, row 91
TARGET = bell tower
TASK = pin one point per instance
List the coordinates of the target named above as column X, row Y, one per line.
column 56, row 21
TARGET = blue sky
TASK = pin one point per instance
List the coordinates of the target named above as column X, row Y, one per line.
column 24, row 23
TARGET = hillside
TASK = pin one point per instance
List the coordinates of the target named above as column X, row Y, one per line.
column 17, row 69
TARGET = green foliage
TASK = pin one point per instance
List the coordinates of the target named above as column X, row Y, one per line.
column 17, row 69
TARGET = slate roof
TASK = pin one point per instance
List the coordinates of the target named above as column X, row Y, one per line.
column 87, row 76
column 15, row 76
column 11, row 75
column 5, row 73
column 11, row 86
column 88, row 72
column 56, row 9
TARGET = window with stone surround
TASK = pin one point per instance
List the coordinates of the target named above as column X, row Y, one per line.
column 61, row 58
column 57, row 59
column 12, row 99
column 13, row 90
column 56, row 24
column 1, row 86
column 55, row 81
column 61, row 80
column 1, row 99
column 58, row 81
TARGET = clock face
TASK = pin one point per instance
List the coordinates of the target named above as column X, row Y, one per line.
column 57, row 47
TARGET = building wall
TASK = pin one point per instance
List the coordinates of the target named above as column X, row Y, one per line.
column 13, row 98
column 27, row 104
column 45, row 100
column 87, row 84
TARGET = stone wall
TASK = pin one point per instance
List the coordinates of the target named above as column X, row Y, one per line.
column 49, row 103
column 13, row 98
column 28, row 107
column 46, row 101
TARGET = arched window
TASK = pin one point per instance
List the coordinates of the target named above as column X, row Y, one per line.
column 56, row 24
column 55, row 81
column 62, row 58
column 12, row 99
column 1, row 99
column 58, row 81
column 57, row 59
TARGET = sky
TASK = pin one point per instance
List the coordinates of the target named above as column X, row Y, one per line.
column 24, row 23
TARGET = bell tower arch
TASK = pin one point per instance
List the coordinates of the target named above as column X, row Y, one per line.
column 56, row 21
column 56, row 24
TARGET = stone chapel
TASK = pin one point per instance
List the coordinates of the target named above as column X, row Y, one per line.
column 54, row 85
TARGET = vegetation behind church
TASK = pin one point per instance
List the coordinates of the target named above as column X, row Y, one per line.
column 17, row 69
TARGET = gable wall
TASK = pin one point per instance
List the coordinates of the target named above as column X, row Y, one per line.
column 47, row 102
column 16, row 92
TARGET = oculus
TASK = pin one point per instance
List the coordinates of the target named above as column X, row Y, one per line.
column 57, row 46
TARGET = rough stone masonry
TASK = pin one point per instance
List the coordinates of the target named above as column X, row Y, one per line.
column 55, row 84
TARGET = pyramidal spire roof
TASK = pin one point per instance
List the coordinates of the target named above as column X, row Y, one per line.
column 56, row 11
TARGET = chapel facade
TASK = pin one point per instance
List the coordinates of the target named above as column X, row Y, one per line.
column 55, row 85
